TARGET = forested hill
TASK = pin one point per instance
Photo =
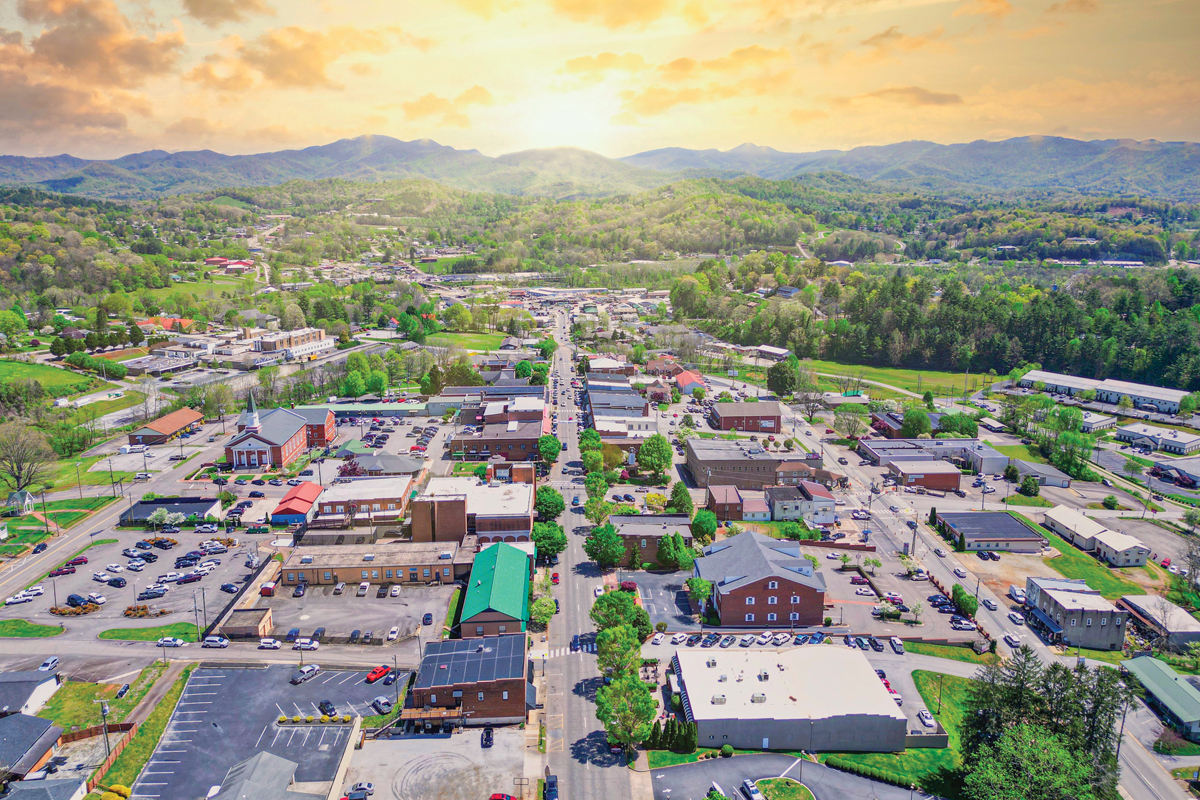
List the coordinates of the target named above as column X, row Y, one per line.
column 1168, row 170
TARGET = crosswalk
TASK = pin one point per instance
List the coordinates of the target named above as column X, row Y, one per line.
column 559, row 652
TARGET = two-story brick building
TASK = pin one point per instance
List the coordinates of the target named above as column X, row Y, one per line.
column 320, row 425
column 642, row 533
column 477, row 681
column 275, row 438
column 363, row 500
column 450, row 508
column 724, row 501
column 497, row 600
column 760, row 582
column 514, row 440
column 1072, row 613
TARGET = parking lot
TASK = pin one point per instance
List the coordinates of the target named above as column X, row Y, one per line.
column 226, row 715
column 179, row 599
column 341, row 614
column 664, row 596
column 443, row 768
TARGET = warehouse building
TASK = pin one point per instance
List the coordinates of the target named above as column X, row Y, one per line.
column 739, row 463
column 1152, row 437
column 938, row 475
column 1107, row 391
column 1158, row 618
column 404, row 562
column 1045, row 474
column 451, row 508
column 1170, row 694
column 1073, row 526
column 802, row 698
column 966, row 453
column 761, row 417
column 990, row 530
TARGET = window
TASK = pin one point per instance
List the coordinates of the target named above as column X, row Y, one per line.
column 770, row 617
column 425, row 572
column 503, row 629
column 795, row 598
column 481, row 697
column 387, row 573
column 1089, row 622
column 432, row 699
column 794, row 616
column 291, row 577
column 504, row 695
column 1073, row 623
column 445, row 572
column 364, row 574
column 375, row 574
column 749, row 618
column 479, row 630
column 749, row 601
column 643, row 544
column 773, row 585
column 772, row 600
column 341, row 509
column 1103, row 621
column 391, row 506
column 328, row 575
column 375, row 507
column 456, row 694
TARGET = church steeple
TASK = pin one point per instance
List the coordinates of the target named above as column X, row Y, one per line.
column 252, row 424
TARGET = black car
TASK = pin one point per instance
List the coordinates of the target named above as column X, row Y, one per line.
column 710, row 640
column 259, row 482
column 876, row 645
column 485, row 739
column 389, row 679
column 151, row 594
column 229, row 587
column 149, row 558
column 694, row 639
column 299, row 590
column 257, row 494
column 327, row 708
column 292, row 635
column 317, row 634
column 354, row 634
column 124, row 690
column 40, row 547
column 383, row 590
column 117, row 583
column 427, row 619
column 162, row 544
column 143, row 545
column 628, row 498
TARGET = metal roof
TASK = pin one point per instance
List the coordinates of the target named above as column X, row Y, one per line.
column 1168, row 686
column 988, row 525
column 499, row 582
column 452, row 662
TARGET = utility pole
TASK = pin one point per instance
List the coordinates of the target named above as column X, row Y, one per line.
column 396, row 683
column 78, row 482
column 104, row 716
column 196, row 613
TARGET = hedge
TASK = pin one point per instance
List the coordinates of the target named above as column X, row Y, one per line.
column 873, row 773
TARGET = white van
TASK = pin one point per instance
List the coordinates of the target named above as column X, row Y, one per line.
column 215, row 641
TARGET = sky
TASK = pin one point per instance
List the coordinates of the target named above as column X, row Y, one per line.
column 104, row 78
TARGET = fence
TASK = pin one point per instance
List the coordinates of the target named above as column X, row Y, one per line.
column 130, row 729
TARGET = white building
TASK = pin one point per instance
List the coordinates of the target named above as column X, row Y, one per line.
column 1121, row 549
column 1077, row 529
column 1166, row 439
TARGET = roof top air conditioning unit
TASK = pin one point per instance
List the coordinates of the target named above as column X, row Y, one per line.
column 718, row 699
column 758, row 697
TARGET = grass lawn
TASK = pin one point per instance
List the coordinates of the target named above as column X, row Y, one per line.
column 133, row 758
column 784, row 789
column 452, row 611
column 953, row 653
column 182, row 630
column 1107, row 656
column 1022, row 500
column 936, row 771
column 72, row 704
column 1025, row 452
column 86, row 504
column 470, row 341
column 102, row 407
column 1073, row 563
column 55, row 381
column 64, row 475
column 940, row 383
column 21, row 629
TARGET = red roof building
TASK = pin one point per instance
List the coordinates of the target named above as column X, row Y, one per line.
column 297, row 505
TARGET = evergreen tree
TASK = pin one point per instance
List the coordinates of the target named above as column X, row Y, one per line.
column 666, row 551
column 655, row 736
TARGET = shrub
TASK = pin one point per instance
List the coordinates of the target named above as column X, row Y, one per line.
column 661, row 627
column 281, row 720
column 628, row 586
column 110, row 796
column 676, row 703
column 828, row 621
column 309, row 719
column 726, row 750
column 296, row 719
column 1110, row 502
column 346, row 718
column 324, row 719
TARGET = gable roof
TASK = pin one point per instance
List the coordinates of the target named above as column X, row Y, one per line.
column 265, row 776
column 278, row 425
column 1170, row 688
column 63, row 789
column 740, row 560
column 24, row 740
column 313, row 416
column 175, row 421
column 17, row 687
column 299, row 499
column 499, row 582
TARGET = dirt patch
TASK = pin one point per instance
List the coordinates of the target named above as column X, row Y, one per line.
column 1012, row 568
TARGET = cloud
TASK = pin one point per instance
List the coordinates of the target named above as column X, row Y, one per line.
column 31, row 110
column 736, row 61
column 295, row 57
column 92, row 42
column 1075, row 7
column 596, row 66
column 994, row 10
column 885, row 43
column 214, row 13
column 484, row 8
column 612, row 13
column 906, row 95
column 655, row 100
column 450, row 112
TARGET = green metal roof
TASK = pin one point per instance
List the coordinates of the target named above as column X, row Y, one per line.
column 1172, row 689
column 499, row 582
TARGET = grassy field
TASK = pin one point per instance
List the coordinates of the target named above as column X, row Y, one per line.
column 1025, row 452
column 133, row 758
column 74, row 703
column 1022, row 500
column 912, row 380
column 953, row 653
column 86, row 504
column 21, row 629
column 55, row 381
column 1073, row 563
column 101, row 407
column 936, row 771
column 469, row 341
column 784, row 789
column 64, row 476
column 181, row 630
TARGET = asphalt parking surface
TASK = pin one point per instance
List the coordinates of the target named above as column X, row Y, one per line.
column 664, row 596
column 442, row 767
column 341, row 614
column 228, row 715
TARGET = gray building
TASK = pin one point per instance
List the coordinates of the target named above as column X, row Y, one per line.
column 1157, row 617
column 1045, row 474
column 265, row 776
column 801, row 698
column 739, row 463
column 1071, row 613
column 973, row 453
column 990, row 530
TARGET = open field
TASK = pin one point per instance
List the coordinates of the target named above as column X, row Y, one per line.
column 1025, row 452
column 103, row 407
column 469, row 341
column 912, row 380
column 784, row 789
column 1074, row 563
column 181, row 630
column 74, row 704
column 64, row 475
column 133, row 758
column 56, row 382
column 948, row 651
column 21, row 629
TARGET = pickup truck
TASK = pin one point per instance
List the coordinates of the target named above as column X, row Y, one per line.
column 258, row 529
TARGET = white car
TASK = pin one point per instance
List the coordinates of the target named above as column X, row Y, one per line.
column 865, row 591
column 781, row 639
column 269, row 644
column 171, row 641
column 746, row 640
column 97, row 598
column 897, row 645
column 35, row 591
column 136, row 566
column 1016, row 617
column 212, row 562
column 115, row 568
column 599, row 590
column 925, row 717
column 839, row 502
column 989, row 604
column 393, row 634
column 833, row 555
column 939, row 552
column 679, row 638
column 17, row 599
column 765, row 638
column 396, row 590
column 306, row 644
column 960, row 572
column 1012, row 640
column 658, row 638
column 159, row 587
column 100, row 577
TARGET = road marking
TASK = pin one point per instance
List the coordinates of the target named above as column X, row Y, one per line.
column 789, row 769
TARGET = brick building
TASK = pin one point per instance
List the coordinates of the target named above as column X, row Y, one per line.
column 405, row 562
column 740, row 463
column 497, row 600
column 762, row 582
column 481, row 681
column 642, row 533
column 451, row 508
column 320, row 425
column 362, row 500
column 761, row 417
column 167, row 427
column 937, row 475
column 725, row 502
column 514, row 440
column 274, row 439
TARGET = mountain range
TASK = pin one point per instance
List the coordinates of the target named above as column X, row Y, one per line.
column 1169, row 170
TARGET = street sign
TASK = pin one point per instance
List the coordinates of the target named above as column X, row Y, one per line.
column 733, row 373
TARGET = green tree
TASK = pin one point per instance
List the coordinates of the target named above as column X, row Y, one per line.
column 655, row 454
column 699, row 590
column 589, row 440
column 916, row 422
column 353, row 385
column 1028, row 763
column 1191, row 518
column 595, row 485
column 604, row 546
column 549, row 448
column 542, row 611
column 684, row 558
column 1030, row 486
column 618, row 608
column 851, row 420
column 626, row 709
column 618, row 651
column 783, row 376
column 549, row 538
column 432, row 383
column 524, row 369
column 549, row 502
column 593, row 461
column 681, row 499
column 704, row 525
column 698, row 393
column 457, row 317
column 1011, row 474
column 377, row 383
column 12, row 326
column 666, row 551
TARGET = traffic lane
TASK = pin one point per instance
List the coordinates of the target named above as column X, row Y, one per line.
column 692, row 781
column 1142, row 777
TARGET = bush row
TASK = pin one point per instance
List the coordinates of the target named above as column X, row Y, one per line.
column 872, row 773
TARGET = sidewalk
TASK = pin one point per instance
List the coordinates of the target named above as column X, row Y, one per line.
column 157, row 692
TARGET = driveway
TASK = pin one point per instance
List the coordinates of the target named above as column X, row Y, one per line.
column 664, row 596
column 443, row 767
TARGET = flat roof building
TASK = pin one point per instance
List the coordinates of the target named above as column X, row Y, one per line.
column 394, row 562
column 937, row 475
column 481, row 681
column 1072, row 613
column 973, row 453
column 740, row 463
column 990, row 530
column 761, row 417
column 451, row 508
column 1152, row 437
column 192, row 508
column 802, row 698
column 1108, row 390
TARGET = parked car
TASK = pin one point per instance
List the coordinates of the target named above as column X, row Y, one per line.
column 378, row 673
column 171, row 641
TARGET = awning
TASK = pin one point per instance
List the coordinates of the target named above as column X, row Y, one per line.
column 1042, row 618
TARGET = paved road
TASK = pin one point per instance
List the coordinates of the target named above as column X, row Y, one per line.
column 692, row 781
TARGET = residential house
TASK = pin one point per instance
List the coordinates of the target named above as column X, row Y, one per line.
column 27, row 691
column 643, row 533
column 754, row 507
column 687, row 382
column 26, row 744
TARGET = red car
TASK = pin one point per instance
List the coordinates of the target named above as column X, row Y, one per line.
column 829, row 430
column 1166, row 562
column 378, row 673
column 78, row 561
column 499, row 796
column 54, row 573
column 554, row 579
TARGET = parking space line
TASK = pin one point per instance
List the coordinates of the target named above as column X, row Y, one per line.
column 348, row 677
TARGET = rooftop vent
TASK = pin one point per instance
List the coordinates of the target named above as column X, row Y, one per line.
column 758, row 697
column 306, row 559
column 718, row 699
column 369, row 557
column 722, row 679
column 763, row 675
column 712, row 662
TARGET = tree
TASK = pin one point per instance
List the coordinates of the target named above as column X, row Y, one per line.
column 377, row 382
column 1133, row 471
column 1030, row 486
column 964, row 601
column 626, row 709
column 589, row 440
column 542, row 611
column 618, row 608
column 432, row 383
column 353, row 385
column 157, row 517
column 549, row 502
column 293, row 318
column 1011, row 474
column 681, row 499
column 26, row 458
column 783, row 377
column 595, row 485
column 666, row 551
column 524, row 369
column 851, row 420
column 655, row 454
column 656, row 502
column 604, row 546
column 593, row 461
column 1028, row 763
column 457, row 317
column 685, row 559
column 916, row 422
column 549, row 448
column 1191, row 518
column 618, row 651
column 549, row 538
column 698, row 393
column 704, row 525
column 699, row 590
column 1124, row 403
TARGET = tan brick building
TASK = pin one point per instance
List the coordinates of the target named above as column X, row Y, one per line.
column 451, row 508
